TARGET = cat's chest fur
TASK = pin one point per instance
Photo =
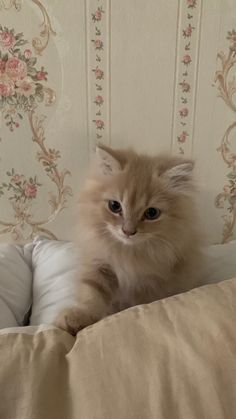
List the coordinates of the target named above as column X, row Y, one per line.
column 135, row 271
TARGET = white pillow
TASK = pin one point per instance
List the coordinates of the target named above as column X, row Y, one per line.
column 55, row 265
column 15, row 284
column 221, row 263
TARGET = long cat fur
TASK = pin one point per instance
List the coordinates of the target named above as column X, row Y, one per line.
column 163, row 258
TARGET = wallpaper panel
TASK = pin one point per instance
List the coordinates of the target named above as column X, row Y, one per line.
column 43, row 117
column 148, row 74
column 143, row 42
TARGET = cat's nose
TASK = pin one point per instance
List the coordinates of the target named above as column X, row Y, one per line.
column 128, row 232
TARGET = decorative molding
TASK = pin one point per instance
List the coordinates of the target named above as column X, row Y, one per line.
column 226, row 86
column 97, row 12
column 41, row 42
column 8, row 4
column 188, row 36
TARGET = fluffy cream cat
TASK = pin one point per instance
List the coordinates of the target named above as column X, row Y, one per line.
column 139, row 234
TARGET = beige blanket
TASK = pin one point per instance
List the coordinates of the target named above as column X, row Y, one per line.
column 172, row 359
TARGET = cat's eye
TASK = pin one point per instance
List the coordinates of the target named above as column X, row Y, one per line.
column 115, row 206
column 152, row 213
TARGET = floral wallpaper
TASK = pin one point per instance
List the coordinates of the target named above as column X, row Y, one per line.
column 97, row 15
column 24, row 84
column 186, row 62
column 226, row 85
column 142, row 74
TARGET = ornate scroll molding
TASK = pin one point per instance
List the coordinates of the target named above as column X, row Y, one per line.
column 226, row 86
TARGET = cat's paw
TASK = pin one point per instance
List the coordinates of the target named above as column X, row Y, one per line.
column 73, row 320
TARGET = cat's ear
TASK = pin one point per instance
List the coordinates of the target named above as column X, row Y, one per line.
column 107, row 160
column 179, row 173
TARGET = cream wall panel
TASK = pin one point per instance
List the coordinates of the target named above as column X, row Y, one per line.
column 143, row 40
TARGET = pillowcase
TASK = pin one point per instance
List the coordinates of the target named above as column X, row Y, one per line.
column 55, row 265
column 15, row 284
column 221, row 262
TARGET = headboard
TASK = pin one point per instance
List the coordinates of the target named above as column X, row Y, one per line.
column 155, row 75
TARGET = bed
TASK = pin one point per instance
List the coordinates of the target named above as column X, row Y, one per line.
column 174, row 358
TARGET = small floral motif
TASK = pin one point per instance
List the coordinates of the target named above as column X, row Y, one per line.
column 15, row 68
column 98, row 70
column 98, row 31
column 25, row 87
column 97, row 16
column 20, row 188
column 229, row 191
column 99, row 124
column 41, row 75
column 232, row 186
column 21, row 85
column 99, row 100
column 192, row 3
column 188, row 31
column 185, row 86
column 49, row 162
column 7, row 39
column 98, row 44
column 183, row 112
column 187, row 46
column 232, row 37
column 27, row 53
column 183, row 137
column 30, row 190
column 99, row 74
column 186, row 60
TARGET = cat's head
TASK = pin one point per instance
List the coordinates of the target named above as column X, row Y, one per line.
column 134, row 198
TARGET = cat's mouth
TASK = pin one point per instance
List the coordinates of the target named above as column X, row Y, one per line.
column 118, row 234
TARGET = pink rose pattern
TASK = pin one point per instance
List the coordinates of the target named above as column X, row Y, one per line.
column 97, row 15
column 21, row 85
column 16, row 69
column 192, row 3
column 182, row 137
column 27, row 53
column 99, row 100
column 99, row 123
column 99, row 74
column 98, row 68
column 7, row 39
column 183, row 112
column 184, row 83
column 21, row 189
